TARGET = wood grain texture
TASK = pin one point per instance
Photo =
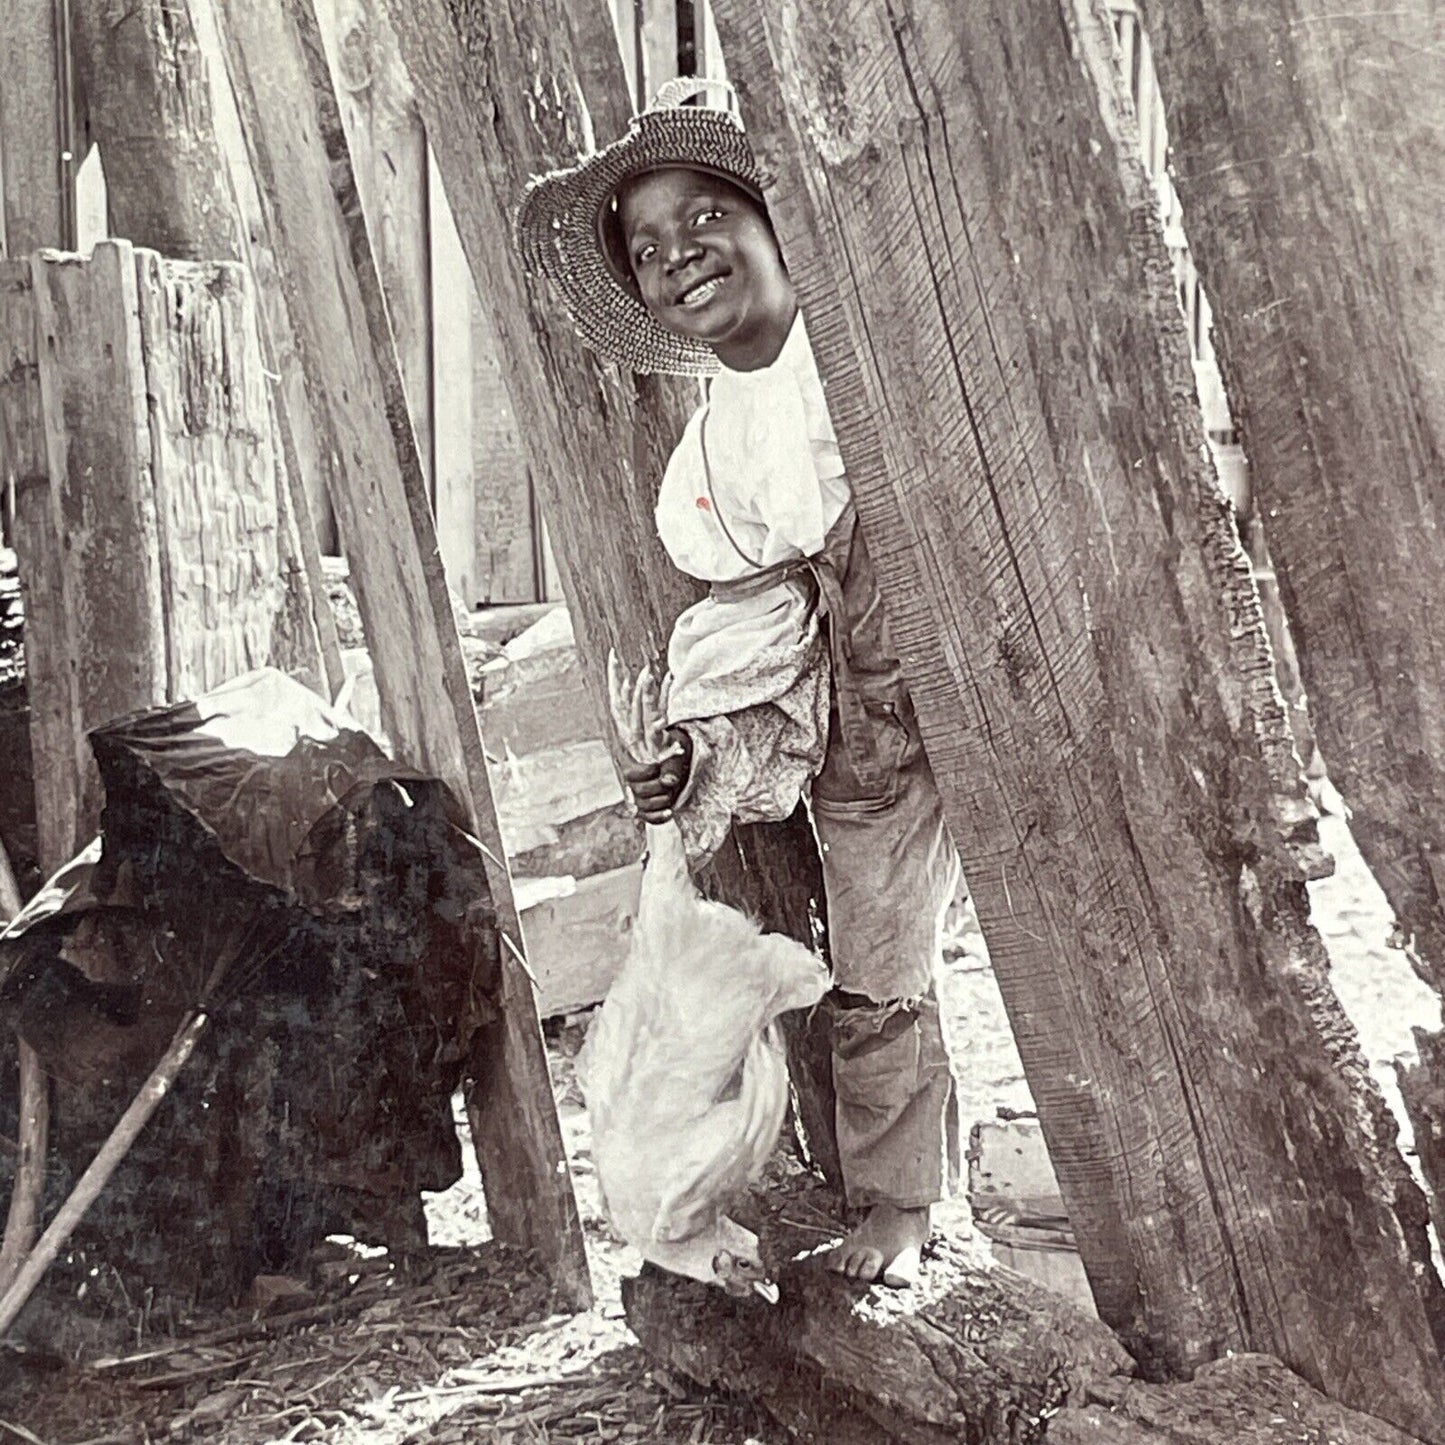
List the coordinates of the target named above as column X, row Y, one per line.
column 33, row 175
column 980, row 264
column 455, row 421
column 307, row 189
column 97, row 427
column 148, row 105
column 34, row 212
column 153, row 113
column 305, row 440
column 50, row 681
column 974, row 1353
column 597, row 439
column 215, row 472
column 1307, row 151
column 577, row 941
column 387, row 144
column 1245, row 1400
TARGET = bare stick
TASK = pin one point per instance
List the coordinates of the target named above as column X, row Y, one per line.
column 28, row 1189
column 101, row 1168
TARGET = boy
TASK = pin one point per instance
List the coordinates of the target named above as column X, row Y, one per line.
column 783, row 678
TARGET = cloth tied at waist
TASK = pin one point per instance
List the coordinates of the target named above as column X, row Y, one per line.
column 817, row 579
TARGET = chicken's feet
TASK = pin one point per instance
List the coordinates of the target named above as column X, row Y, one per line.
column 886, row 1247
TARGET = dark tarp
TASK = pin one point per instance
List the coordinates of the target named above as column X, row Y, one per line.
column 261, row 854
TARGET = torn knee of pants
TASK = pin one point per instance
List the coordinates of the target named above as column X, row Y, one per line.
column 861, row 1023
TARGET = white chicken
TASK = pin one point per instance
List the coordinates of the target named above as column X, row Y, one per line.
column 684, row 1069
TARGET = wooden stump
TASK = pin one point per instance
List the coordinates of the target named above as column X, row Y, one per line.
column 976, row 1353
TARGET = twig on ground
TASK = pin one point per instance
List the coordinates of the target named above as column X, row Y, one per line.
column 21, row 1432
column 356, row 1359
column 198, row 1372
column 473, row 1382
column 229, row 1334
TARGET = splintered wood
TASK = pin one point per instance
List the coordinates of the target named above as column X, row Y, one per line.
column 1307, row 153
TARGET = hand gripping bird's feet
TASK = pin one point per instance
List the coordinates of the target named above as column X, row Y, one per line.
column 886, row 1246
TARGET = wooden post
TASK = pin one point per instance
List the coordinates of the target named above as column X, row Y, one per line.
column 598, row 440
column 457, row 476
column 1308, row 155
column 169, row 188
column 387, row 143
column 97, row 429
column 37, row 208
column 148, row 107
column 50, row 680
column 979, row 259
column 164, row 485
column 218, row 478
column 36, row 173
column 299, row 158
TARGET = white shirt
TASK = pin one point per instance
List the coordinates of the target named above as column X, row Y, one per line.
column 773, row 462
column 775, row 475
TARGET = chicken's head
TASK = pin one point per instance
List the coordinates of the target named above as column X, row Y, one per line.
column 743, row 1275
column 725, row 1255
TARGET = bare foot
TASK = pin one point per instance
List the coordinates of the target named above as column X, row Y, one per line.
column 885, row 1246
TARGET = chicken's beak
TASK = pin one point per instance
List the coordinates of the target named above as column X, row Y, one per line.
column 767, row 1289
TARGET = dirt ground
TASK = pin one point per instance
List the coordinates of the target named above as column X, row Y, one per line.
column 472, row 1351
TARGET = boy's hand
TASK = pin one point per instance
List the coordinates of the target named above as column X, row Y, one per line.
column 656, row 787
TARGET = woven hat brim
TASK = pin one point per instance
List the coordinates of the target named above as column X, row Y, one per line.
column 557, row 232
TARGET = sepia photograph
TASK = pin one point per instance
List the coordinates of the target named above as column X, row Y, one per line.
column 720, row 723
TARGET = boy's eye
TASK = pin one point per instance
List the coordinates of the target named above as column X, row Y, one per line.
column 645, row 253
column 712, row 213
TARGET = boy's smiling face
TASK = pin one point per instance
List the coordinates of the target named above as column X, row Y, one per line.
column 707, row 264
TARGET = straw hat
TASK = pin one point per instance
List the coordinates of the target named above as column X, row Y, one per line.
column 567, row 227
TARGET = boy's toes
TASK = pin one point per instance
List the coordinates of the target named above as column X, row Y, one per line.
column 867, row 1265
column 855, row 1262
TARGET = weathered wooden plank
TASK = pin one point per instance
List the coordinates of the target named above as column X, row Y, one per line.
column 1011, row 387
column 973, row 1353
column 597, row 440
column 148, row 105
column 214, row 470
column 50, row 680
column 624, row 23
column 93, row 390
column 168, row 186
column 539, row 790
column 981, row 1354
column 657, row 20
column 22, row 424
column 506, row 527
column 1245, row 1400
column 536, row 702
column 388, row 149
column 35, row 174
column 163, row 575
column 577, row 940
column 308, row 449
column 1307, row 153
column 298, row 154
column 454, row 421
